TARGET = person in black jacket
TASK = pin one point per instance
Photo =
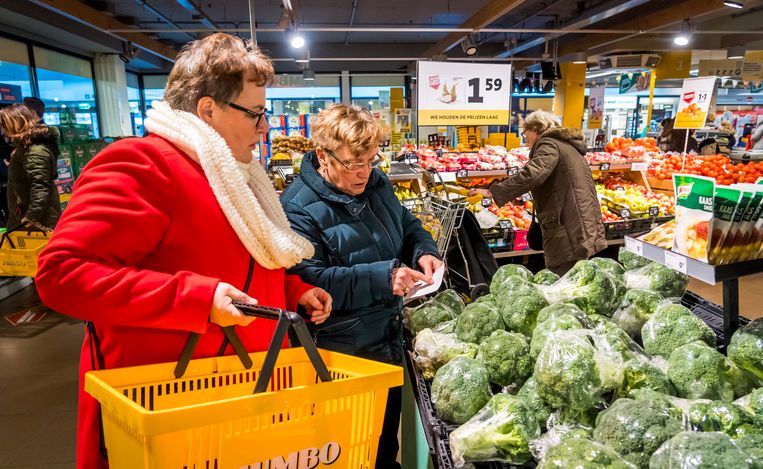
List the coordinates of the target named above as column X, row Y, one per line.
column 32, row 195
column 367, row 246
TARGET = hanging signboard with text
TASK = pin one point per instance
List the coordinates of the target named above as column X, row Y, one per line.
column 453, row 93
column 696, row 95
column 595, row 107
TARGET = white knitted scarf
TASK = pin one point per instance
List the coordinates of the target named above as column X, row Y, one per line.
column 255, row 214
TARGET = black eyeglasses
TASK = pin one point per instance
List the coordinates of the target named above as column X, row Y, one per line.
column 257, row 116
column 358, row 167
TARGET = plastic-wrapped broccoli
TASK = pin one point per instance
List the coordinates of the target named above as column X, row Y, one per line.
column 610, row 265
column 699, row 372
column 580, row 453
column 588, row 286
column 613, row 341
column 752, row 445
column 572, row 374
column 672, row 326
column 753, row 403
column 644, row 374
column 509, row 270
column 501, row 431
column 558, row 322
column 507, row 357
column 429, row 315
column 447, row 327
column 746, row 348
column 555, row 436
column 560, row 309
column 631, row 261
column 667, row 282
column 478, row 321
column 520, row 310
column 635, row 309
column 742, row 380
column 698, row 450
column 431, row 350
column 489, row 299
column 529, row 393
column 636, row 429
column 460, row 388
column 450, row 298
column 545, row 277
column 718, row 416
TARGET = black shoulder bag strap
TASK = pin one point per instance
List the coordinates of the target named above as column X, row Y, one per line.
column 97, row 356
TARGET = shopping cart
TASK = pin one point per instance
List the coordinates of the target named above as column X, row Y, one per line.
column 19, row 249
column 310, row 407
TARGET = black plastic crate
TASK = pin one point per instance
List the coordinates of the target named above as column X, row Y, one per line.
column 711, row 314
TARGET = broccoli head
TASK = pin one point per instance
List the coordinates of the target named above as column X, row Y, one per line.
column 667, row 282
column 501, row 431
column 752, row 445
column 489, row 299
column 718, row 416
column 429, row 315
column 699, row 372
column 635, row 309
column 559, row 309
column 560, row 322
column 537, row 406
column 509, row 270
column 753, row 403
column 520, row 312
column 613, row 341
column 641, row 374
column 431, row 350
column 699, row 450
column 588, row 286
column 671, row 326
column 460, row 388
column 506, row 356
column 609, row 265
column 630, row 260
column 545, row 277
column 742, row 380
column 580, row 453
column 478, row 321
column 746, row 348
column 451, row 299
column 636, row 429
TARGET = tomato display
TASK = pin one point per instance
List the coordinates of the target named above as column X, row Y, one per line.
column 718, row 167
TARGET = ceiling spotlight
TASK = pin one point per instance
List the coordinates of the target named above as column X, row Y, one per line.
column 736, row 52
column 469, row 45
column 682, row 38
column 297, row 41
column 580, row 58
column 733, row 4
column 308, row 75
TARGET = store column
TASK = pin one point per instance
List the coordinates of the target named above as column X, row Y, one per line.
column 111, row 89
column 569, row 95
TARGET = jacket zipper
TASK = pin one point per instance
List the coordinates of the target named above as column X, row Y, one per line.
column 392, row 245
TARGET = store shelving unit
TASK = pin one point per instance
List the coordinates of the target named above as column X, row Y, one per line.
column 399, row 172
column 530, row 252
column 727, row 274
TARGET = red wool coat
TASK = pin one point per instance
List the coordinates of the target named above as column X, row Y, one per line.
column 139, row 252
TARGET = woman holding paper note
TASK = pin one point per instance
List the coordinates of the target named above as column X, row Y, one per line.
column 363, row 239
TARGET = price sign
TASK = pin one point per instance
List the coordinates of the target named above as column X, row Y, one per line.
column 634, row 246
column 604, row 167
column 487, row 201
column 675, row 261
column 453, row 93
column 513, row 170
column 448, row 177
column 505, row 224
column 640, row 166
column 696, row 95
column 411, row 158
column 287, row 170
column 625, row 213
column 620, row 188
column 462, row 174
column 654, row 211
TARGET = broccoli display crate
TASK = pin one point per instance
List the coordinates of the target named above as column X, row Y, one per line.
column 711, row 314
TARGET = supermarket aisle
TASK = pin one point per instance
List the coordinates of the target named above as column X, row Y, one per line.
column 38, row 385
column 750, row 294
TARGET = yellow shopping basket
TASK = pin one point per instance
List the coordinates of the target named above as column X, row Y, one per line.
column 311, row 408
column 19, row 251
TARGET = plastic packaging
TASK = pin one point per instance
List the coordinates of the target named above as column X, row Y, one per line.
column 724, row 207
column 545, row 277
column 478, row 321
column 556, row 322
column 429, row 315
column 746, row 348
column 694, row 213
column 588, row 286
column 560, row 309
column 555, row 436
column 460, row 388
column 501, row 431
column 583, row 453
column 630, row 260
column 508, row 270
column 529, row 393
column 640, row 373
column 671, row 326
column 506, row 355
column 699, row 450
column 432, row 350
column 718, row 416
column 699, row 372
column 667, row 282
column 635, row 309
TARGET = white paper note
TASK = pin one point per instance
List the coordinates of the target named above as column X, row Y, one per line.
column 421, row 288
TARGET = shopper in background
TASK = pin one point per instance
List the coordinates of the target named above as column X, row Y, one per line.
column 559, row 178
column 756, row 137
column 164, row 232
column 364, row 239
column 33, row 197
column 671, row 139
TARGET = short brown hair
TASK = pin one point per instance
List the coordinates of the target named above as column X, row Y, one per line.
column 341, row 125
column 19, row 123
column 215, row 66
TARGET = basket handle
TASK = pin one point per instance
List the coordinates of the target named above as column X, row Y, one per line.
column 8, row 232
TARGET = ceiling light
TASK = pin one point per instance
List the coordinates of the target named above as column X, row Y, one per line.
column 308, row 75
column 297, row 41
column 469, row 45
column 736, row 52
column 733, row 4
column 580, row 58
column 682, row 38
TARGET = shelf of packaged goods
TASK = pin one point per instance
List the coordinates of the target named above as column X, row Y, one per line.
column 727, row 274
column 530, row 252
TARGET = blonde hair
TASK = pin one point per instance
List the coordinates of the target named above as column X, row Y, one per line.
column 215, row 66
column 342, row 125
column 540, row 121
column 19, row 123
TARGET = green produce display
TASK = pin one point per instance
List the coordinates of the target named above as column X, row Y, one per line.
column 609, row 265
column 478, row 321
column 584, row 454
column 429, row 315
column 588, row 286
column 639, row 373
column 460, row 389
column 636, row 308
column 537, row 406
column 557, row 322
column 520, row 313
column 699, row 372
column 746, row 347
column 718, row 416
column 631, row 261
column 506, row 271
column 561, row 309
column 432, row 350
column 667, row 282
column 695, row 450
column 672, row 326
column 507, row 357
column 545, row 277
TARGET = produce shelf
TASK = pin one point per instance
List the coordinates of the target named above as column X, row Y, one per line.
column 727, row 274
column 403, row 172
column 530, row 252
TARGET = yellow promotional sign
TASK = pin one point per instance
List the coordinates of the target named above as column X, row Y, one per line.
column 696, row 95
column 673, row 65
column 596, row 107
column 403, row 120
column 453, row 93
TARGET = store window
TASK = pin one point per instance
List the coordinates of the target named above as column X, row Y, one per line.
column 373, row 91
column 66, row 86
column 133, row 97
column 153, row 89
column 15, row 72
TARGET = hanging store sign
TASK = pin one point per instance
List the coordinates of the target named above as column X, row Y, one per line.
column 634, row 82
column 696, row 95
column 596, row 107
column 453, row 93
column 731, row 68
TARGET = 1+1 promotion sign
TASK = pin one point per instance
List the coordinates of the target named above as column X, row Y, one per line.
column 454, row 93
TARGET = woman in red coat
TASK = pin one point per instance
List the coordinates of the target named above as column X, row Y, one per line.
column 163, row 232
